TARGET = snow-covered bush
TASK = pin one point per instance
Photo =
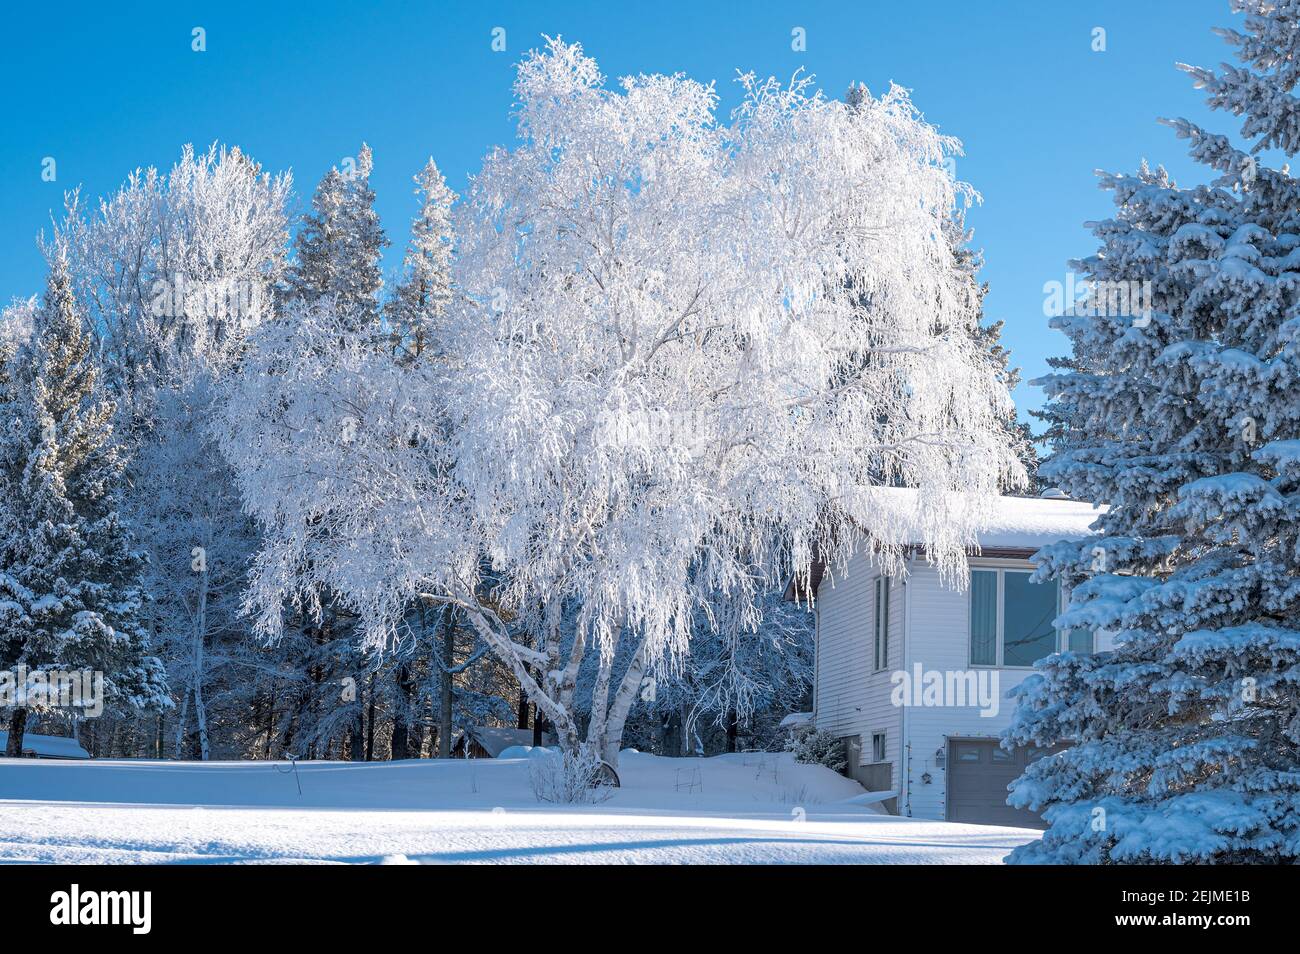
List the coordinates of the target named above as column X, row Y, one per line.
column 569, row 778
column 820, row 748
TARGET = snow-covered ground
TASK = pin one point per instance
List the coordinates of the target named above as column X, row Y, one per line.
column 732, row 809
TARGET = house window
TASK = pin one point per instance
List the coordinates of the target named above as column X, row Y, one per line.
column 1080, row 641
column 880, row 638
column 1011, row 620
column 878, row 747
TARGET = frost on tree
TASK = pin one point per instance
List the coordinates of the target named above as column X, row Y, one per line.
column 70, row 594
column 340, row 243
column 679, row 354
column 424, row 291
column 179, row 268
column 1186, row 737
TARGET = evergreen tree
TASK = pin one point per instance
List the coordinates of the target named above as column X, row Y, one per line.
column 70, row 597
column 340, row 244
column 989, row 337
column 425, row 288
column 1181, row 413
column 338, row 253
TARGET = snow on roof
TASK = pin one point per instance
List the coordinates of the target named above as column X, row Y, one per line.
column 495, row 740
column 795, row 719
column 47, row 746
column 1004, row 525
column 1010, row 522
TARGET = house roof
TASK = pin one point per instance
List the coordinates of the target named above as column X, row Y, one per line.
column 48, row 746
column 497, row 740
column 1012, row 527
column 796, row 720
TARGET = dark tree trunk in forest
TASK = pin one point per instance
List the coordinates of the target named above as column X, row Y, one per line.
column 17, row 728
column 733, row 731
column 521, row 708
column 357, row 738
column 401, row 728
column 270, row 723
column 370, row 721
column 448, row 660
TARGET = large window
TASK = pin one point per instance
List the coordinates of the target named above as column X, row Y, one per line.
column 880, row 625
column 1011, row 620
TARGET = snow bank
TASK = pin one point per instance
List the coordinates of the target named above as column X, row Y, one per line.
column 743, row 808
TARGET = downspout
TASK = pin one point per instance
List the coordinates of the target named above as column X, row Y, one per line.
column 905, row 748
column 817, row 658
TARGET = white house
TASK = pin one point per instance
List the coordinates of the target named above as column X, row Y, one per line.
column 914, row 674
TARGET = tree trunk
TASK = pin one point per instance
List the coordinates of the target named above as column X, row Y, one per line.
column 200, row 634
column 401, row 728
column 733, row 730
column 181, row 721
column 270, row 723
column 357, row 738
column 371, row 712
column 621, row 705
column 201, row 720
column 521, row 708
column 670, row 739
column 17, row 728
column 448, row 659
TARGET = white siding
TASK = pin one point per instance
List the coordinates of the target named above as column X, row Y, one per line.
column 850, row 698
column 940, row 640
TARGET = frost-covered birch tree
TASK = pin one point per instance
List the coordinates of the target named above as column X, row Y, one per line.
column 681, row 352
column 1183, row 417
column 178, row 268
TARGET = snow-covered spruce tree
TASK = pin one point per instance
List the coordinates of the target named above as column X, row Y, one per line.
column 69, row 570
column 1184, row 420
column 424, row 292
column 340, row 243
column 657, row 385
column 989, row 337
column 337, row 265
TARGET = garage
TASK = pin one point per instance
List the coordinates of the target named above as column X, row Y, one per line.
column 979, row 771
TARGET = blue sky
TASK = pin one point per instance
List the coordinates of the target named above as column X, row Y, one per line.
column 106, row 88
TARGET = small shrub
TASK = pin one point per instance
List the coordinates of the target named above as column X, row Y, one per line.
column 820, row 748
column 571, row 778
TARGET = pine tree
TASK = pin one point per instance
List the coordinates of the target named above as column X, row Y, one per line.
column 70, row 597
column 338, row 253
column 340, row 244
column 1180, row 411
column 425, row 288
column 968, row 262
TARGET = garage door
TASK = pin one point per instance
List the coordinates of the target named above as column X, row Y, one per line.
column 979, row 772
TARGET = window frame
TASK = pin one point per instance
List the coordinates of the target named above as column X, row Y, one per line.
column 880, row 624
column 884, row 747
column 1060, row 637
